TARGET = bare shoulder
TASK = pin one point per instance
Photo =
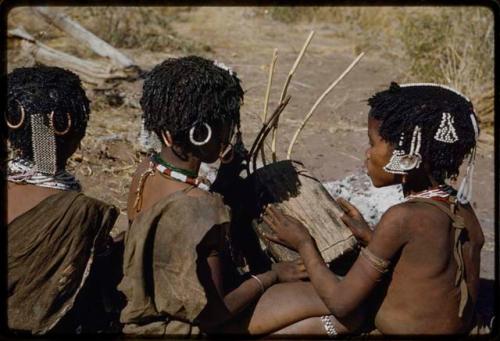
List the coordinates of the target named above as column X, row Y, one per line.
column 391, row 233
column 395, row 218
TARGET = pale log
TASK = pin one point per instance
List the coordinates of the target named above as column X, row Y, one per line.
column 89, row 71
column 75, row 30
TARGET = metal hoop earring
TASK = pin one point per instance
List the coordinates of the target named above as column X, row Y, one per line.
column 59, row 132
column 164, row 138
column 21, row 121
column 200, row 143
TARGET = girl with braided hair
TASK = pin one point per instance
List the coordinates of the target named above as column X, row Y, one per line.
column 55, row 232
column 419, row 266
column 179, row 258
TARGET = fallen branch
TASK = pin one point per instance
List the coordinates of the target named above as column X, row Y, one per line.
column 285, row 88
column 89, row 71
column 99, row 46
column 318, row 101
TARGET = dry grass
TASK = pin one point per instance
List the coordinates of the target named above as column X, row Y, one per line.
column 449, row 45
column 147, row 28
column 137, row 27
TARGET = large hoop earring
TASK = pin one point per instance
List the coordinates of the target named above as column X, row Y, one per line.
column 21, row 121
column 200, row 143
column 223, row 155
column 164, row 138
column 59, row 132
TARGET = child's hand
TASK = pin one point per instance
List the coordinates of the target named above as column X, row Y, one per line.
column 355, row 221
column 290, row 271
column 289, row 231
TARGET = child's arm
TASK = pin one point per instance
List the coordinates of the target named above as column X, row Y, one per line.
column 355, row 222
column 222, row 306
column 250, row 290
column 342, row 297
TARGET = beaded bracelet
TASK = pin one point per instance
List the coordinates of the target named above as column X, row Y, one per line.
column 377, row 263
column 261, row 285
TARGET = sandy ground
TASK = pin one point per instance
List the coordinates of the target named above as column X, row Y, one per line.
column 333, row 143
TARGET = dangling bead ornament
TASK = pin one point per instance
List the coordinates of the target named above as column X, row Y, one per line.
column 446, row 132
column 400, row 162
column 464, row 194
column 44, row 145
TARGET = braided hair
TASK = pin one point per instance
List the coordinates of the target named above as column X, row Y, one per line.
column 401, row 108
column 41, row 90
column 190, row 91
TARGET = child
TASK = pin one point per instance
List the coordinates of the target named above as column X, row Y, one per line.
column 424, row 254
column 54, row 231
column 174, row 270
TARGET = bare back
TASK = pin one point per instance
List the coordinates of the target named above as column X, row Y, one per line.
column 422, row 295
column 22, row 198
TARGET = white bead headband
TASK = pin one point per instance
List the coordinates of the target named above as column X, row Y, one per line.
column 223, row 66
column 434, row 85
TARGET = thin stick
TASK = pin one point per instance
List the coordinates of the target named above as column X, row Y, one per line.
column 295, row 65
column 268, row 129
column 268, row 91
column 285, row 88
column 266, row 126
column 318, row 101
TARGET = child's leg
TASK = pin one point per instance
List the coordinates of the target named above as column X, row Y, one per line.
column 284, row 304
column 315, row 326
column 288, row 304
column 281, row 305
column 309, row 326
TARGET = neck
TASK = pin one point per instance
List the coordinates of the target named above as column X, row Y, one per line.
column 191, row 164
column 413, row 186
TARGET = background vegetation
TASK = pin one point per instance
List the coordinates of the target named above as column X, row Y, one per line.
column 449, row 45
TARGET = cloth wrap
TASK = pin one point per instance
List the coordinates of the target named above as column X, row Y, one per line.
column 164, row 294
column 50, row 251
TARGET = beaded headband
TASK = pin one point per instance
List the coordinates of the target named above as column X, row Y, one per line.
column 223, row 67
column 435, row 85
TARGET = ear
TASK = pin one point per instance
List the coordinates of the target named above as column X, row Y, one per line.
column 167, row 138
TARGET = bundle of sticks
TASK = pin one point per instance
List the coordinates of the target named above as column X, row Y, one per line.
column 289, row 185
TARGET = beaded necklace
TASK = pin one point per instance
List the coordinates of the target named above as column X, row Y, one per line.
column 179, row 174
column 24, row 172
column 156, row 158
column 442, row 193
